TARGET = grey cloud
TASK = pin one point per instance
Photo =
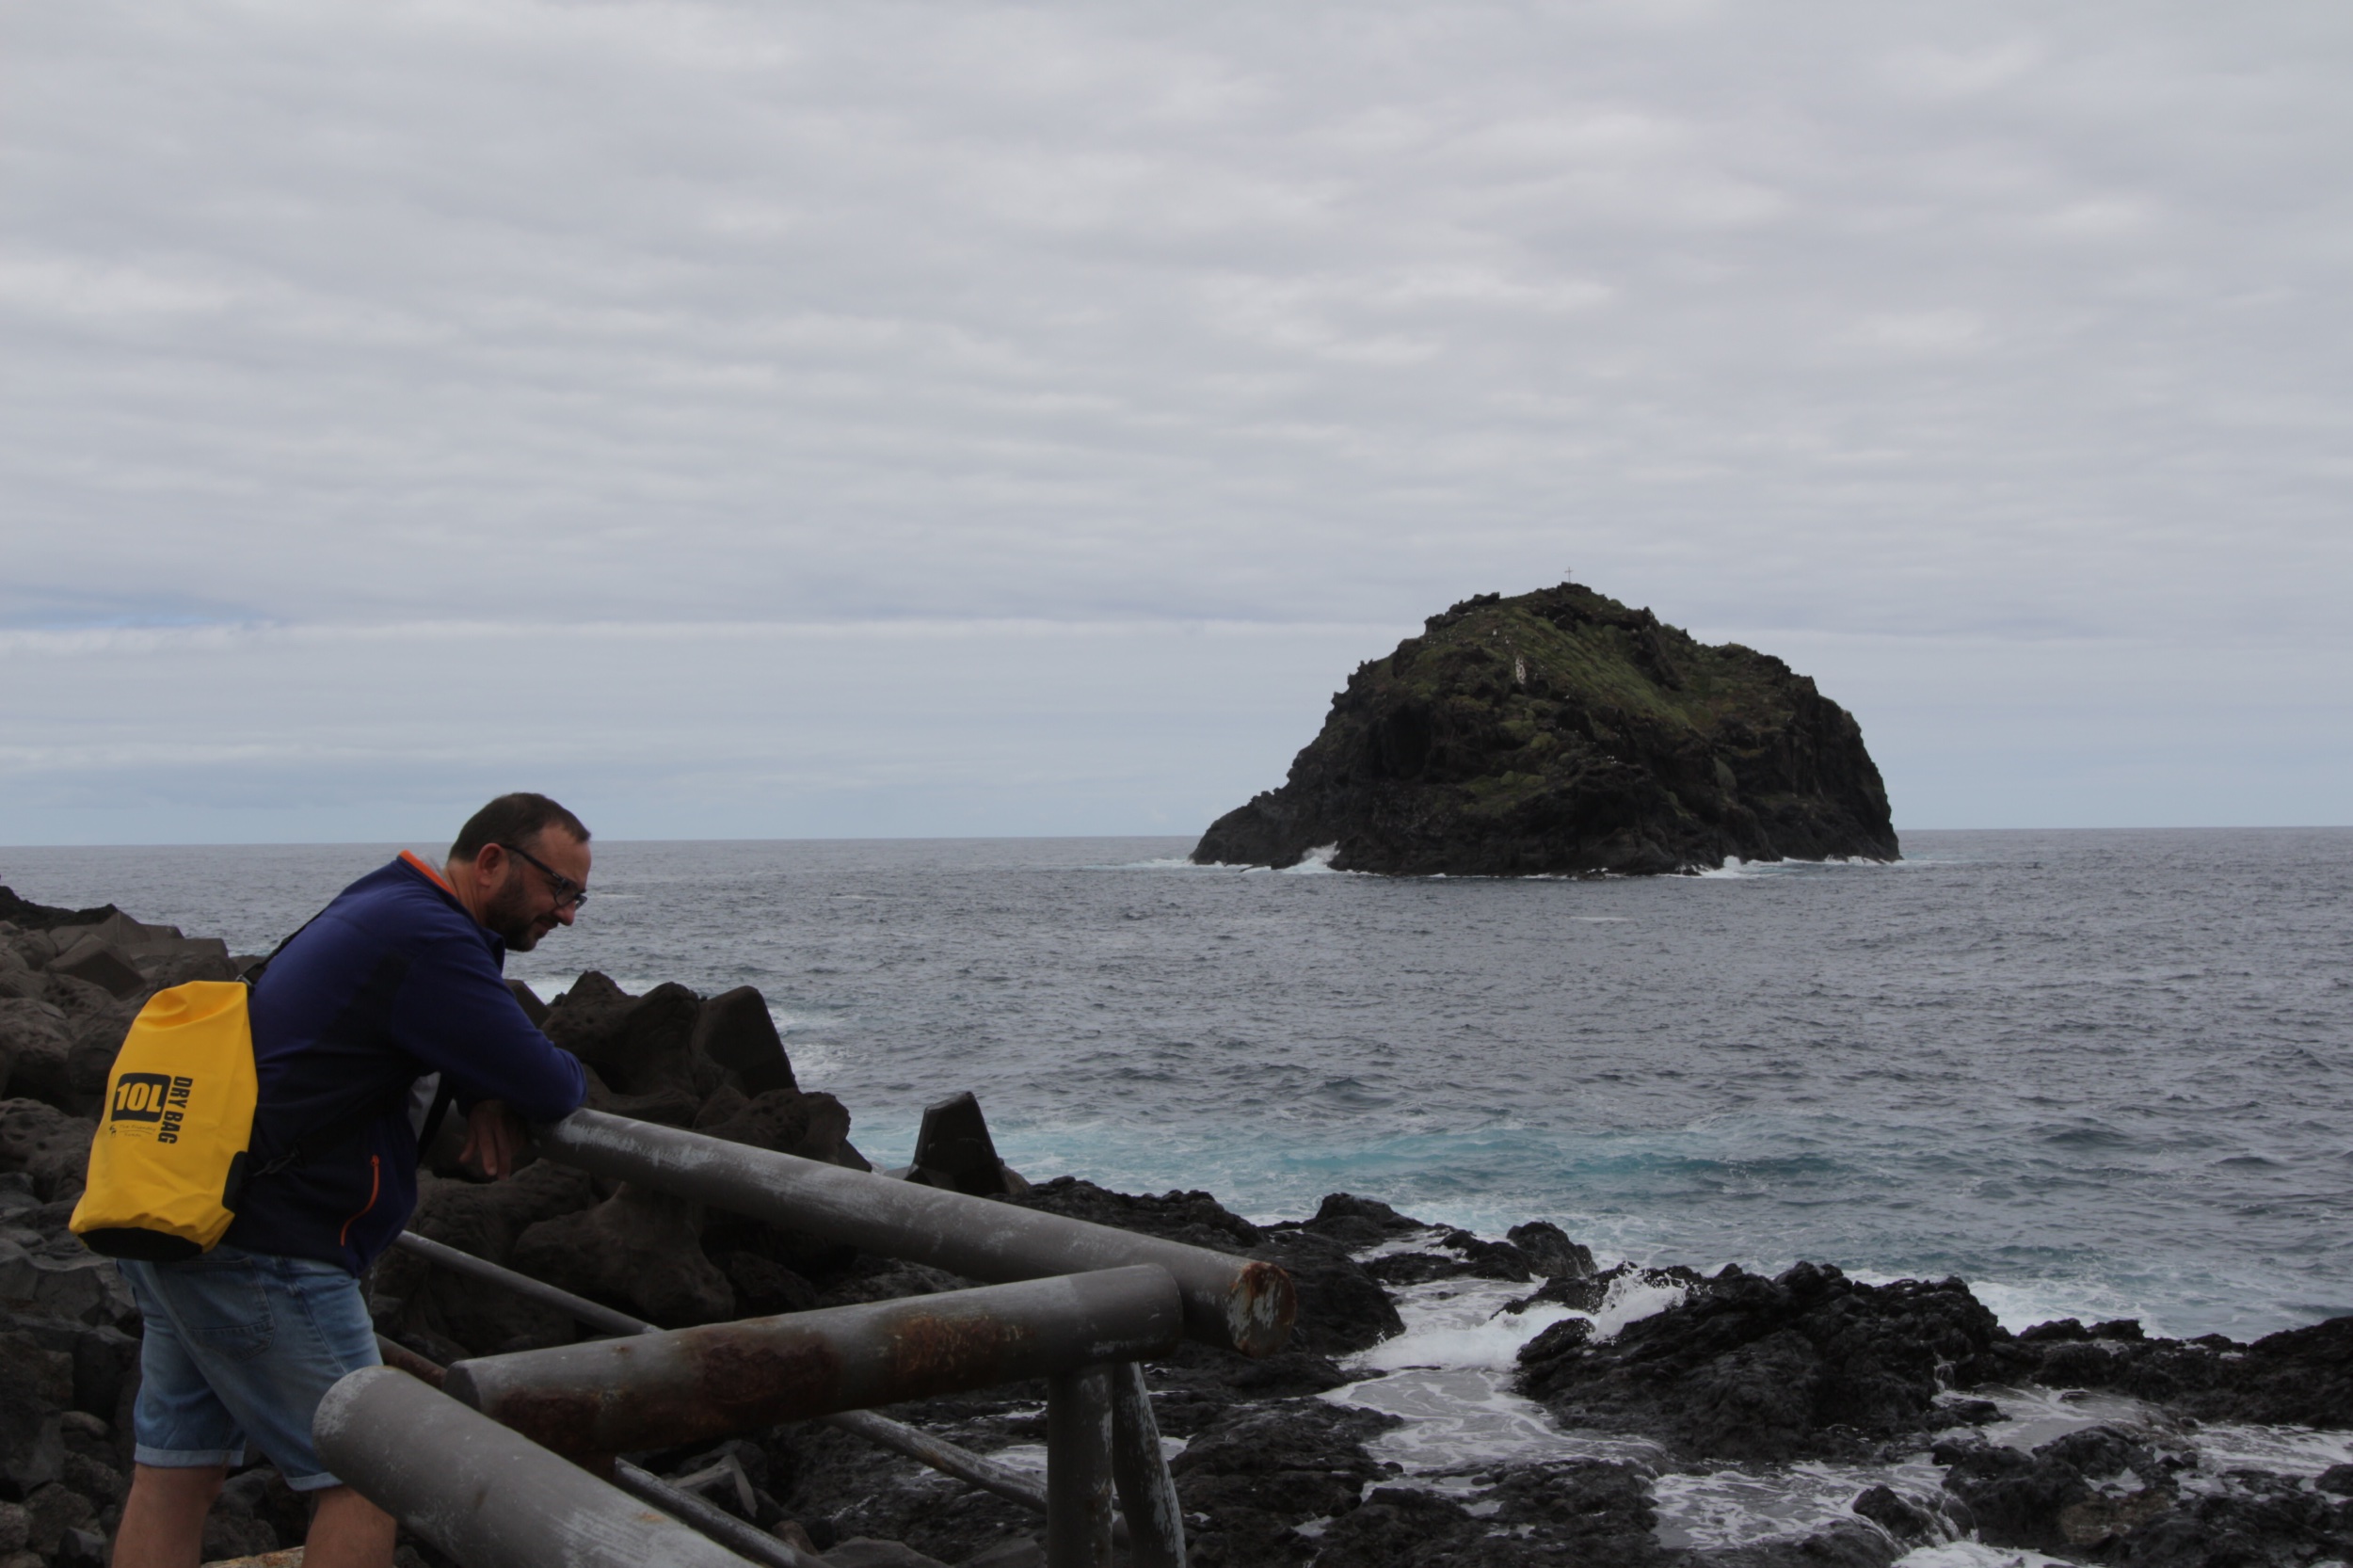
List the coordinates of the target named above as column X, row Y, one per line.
column 1846, row 320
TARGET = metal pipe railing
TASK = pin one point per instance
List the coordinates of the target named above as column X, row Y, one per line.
column 941, row 1454
column 1236, row 1302
column 945, row 1457
column 1154, row 1521
column 489, row 1496
column 717, row 1523
column 720, row 1380
column 579, row 1308
column 1079, row 1467
column 747, row 1540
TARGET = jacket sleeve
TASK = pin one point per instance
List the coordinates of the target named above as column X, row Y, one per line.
column 459, row 1016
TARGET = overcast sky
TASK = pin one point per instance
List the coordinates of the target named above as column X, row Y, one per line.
column 775, row 420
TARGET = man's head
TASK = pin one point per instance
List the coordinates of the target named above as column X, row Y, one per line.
column 520, row 868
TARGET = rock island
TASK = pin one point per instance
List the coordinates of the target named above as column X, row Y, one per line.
column 1559, row 732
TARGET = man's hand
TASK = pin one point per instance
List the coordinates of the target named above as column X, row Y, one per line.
column 494, row 1135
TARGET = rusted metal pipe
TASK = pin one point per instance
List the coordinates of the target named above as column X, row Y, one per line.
column 941, row 1454
column 1242, row 1304
column 1079, row 1469
column 698, row 1384
column 401, row 1358
column 487, row 1496
column 676, row 1501
column 579, row 1307
column 1155, row 1536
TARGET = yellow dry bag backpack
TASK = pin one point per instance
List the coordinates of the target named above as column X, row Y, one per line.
column 170, row 1152
column 169, row 1157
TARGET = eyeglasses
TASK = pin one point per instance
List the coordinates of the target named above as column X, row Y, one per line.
column 569, row 894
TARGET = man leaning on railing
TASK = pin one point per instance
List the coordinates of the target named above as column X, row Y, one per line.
column 389, row 1002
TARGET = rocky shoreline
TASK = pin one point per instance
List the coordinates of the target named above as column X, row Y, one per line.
column 1672, row 1379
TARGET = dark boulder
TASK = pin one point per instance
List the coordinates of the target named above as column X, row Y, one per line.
column 36, row 1390
column 1342, row 1309
column 2298, row 1377
column 1573, row 1512
column 639, row 1250
column 1474, row 1258
column 99, row 963
column 48, row 1146
column 485, row 1219
column 2078, row 1492
column 813, row 1125
column 1197, row 1218
column 637, row 1044
column 26, row 915
column 953, row 1151
column 1809, row 1364
column 35, row 1040
column 1250, row 1478
column 734, row 1029
column 1357, row 1223
column 1549, row 1252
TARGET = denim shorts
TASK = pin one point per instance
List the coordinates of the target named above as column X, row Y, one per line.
column 241, row 1346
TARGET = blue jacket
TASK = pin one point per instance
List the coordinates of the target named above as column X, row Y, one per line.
column 392, row 982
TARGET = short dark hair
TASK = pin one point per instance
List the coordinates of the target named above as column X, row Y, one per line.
column 515, row 819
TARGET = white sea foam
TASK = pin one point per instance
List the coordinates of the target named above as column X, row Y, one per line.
column 1737, row 1506
column 1734, row 867
column 1972, row 1554
column 547, row 987
column 2287, row 1451
column 1317, row 863
column 2021, row 1304
column 1449, row 1378
column 2033, row 1416
column 1630, row 1299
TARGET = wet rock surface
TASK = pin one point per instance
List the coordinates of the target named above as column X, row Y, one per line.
column 1808, row 1365
column 1733, row 1370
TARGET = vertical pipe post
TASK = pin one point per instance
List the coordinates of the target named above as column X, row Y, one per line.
column 1079, row 1469
column 1147, row 1495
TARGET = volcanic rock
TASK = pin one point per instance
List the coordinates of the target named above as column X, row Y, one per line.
column 639, row 1250
column 1561, row 732
column 1260, row 1471
column 842, row 1488
column 1568, row 1511
column 637, row 1044
column 2300, row 1377
column 953, row 1151
column 48, row 1146
column 1342, row 1308
column 735, row 1030
column 26, row 915
column 1549, row 1252
column 1356, row 1223
column 815, row 1126
column 485, row 1219
column 1807, row 1365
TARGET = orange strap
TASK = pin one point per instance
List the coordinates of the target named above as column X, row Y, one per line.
column 410, row 856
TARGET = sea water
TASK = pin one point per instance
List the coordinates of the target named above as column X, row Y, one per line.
column 2095, row 1074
